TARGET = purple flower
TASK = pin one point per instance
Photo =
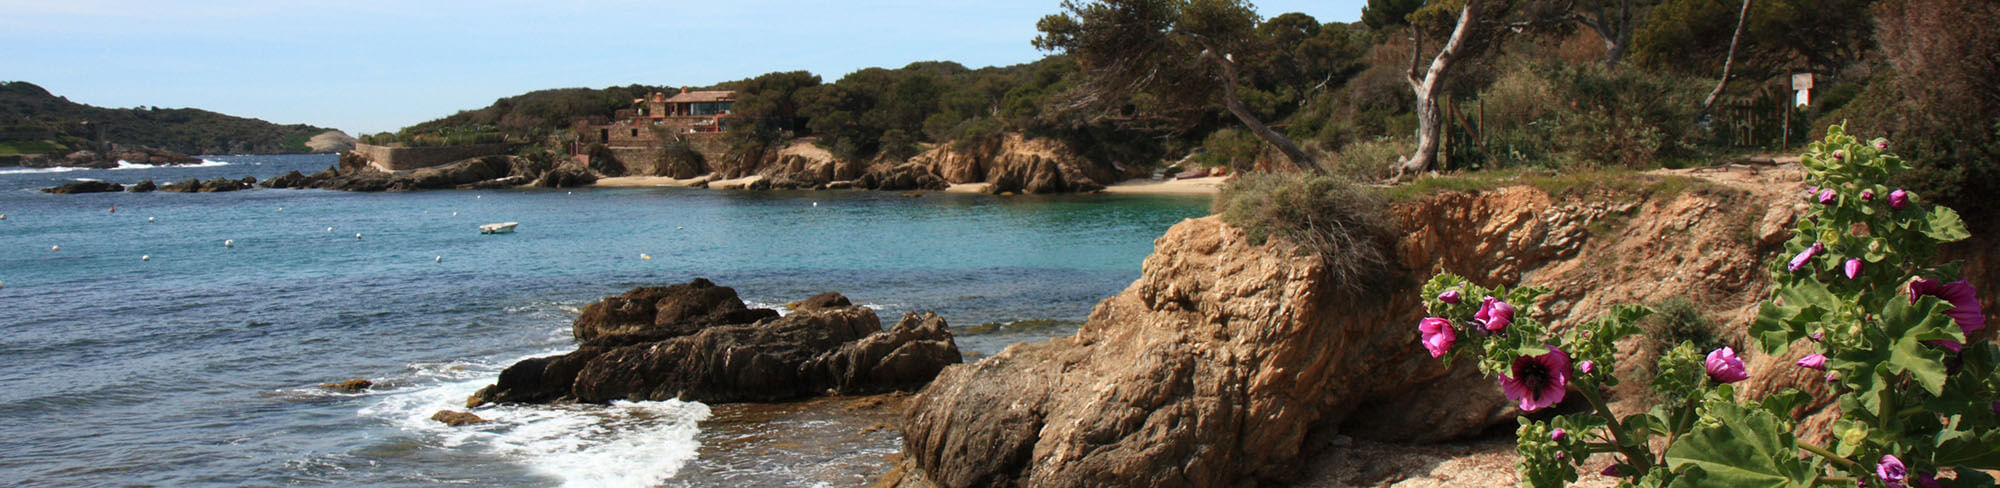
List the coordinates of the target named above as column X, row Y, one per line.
column 1724, row 367
column 1558, row 435
column 1586, row 366
column 1926, row 479
column 1450, row 297
column 1611, row 470
column 1898, row 199
column 1964, row 305
column 1800, row 260
column 1853, row 267
column 1813, row 361
column 1839, row 154
column 1867, row 195
column 1539, row 381
column 1818, row 336
column 1890, row 470
column 1826, row 197
column 1494, row 315
column 1438, row 335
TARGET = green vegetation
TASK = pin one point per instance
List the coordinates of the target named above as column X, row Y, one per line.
column 33, row 121
column 1338, row 221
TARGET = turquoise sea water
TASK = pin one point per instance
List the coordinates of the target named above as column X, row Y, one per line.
column 196, row 366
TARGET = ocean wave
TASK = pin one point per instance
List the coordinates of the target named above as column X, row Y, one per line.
column 26, row 171
column 205, row 163
column 622, row 444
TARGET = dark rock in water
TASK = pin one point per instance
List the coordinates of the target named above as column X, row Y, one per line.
column 349, row 386
column 566, row 177
column 292, row 179
column 143, row 186
column 85, row 187
column 665, row 312
column 697, row 341
column 823, row 300
column 220, row 184
column 455, row 418
column 189, row 185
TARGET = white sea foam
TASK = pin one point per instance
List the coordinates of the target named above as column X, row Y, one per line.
column 633, row 444
column 205, row 163
column 24, row 171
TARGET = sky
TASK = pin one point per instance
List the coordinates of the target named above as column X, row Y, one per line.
column 368, row 66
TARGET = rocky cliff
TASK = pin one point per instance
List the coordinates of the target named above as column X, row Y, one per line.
column 1230, row 364
column 1016, row 163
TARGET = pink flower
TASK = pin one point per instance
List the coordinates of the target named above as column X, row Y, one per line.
column 1882, row 144
column 1890, row 470
column 1449, row 296
column 1853, row 267
column 1813, row 361
column 1586, row 366
column 1964, row 305
column 1494, row 314
column 1839, row 154
column 1611, row 470
column 1800, row 260
column 1724, row 367
column 1826, row 197
column 1539, row 381
column 1926, row 479
column 1898, row 199
column 1438, row 335
column 1867, row 195
column 1558, row 435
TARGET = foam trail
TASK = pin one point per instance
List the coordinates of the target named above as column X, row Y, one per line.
column 625, row 444
column 205, row 163
column 24, row 171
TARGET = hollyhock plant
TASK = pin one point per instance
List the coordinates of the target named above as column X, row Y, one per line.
column 1826, row 197
column 1494, row 314
column 1898, row 199
column 1538, row 381
column 1813, row 361
column 1724, row 367
column 1438, row 335
column 1963, row 298
column 1805, row 256
column 1451, row 297
column 1558, row 435
column 1891, row 470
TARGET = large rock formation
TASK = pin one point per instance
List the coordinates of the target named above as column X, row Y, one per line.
column 697, row 341
column 353, row 173
column 1227, row 362
column 1014, row 163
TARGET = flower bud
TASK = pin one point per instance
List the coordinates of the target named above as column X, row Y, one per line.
column 1813, row 361
column 1853, row 267
column 1826, row 197
column 1898, row 199
column 1867, row 195
column 1450, row 297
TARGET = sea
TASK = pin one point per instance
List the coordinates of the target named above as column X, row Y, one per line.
column 179, row 339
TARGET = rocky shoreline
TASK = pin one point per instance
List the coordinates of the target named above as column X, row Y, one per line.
column 101, row 160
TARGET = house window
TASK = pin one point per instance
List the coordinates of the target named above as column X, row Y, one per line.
column 635, row 132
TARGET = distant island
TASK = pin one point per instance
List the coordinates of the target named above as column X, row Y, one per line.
column 38, row 128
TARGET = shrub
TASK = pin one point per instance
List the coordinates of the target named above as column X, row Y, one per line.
column 1331, row 217
column 1369, row 159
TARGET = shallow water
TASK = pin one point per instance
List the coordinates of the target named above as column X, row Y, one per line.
column 198, row 365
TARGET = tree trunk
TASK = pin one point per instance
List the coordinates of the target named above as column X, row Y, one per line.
column 1299, row 158
column 1727, row 62
column 1429, row 123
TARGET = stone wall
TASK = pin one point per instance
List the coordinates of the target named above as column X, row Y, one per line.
column 408, row 158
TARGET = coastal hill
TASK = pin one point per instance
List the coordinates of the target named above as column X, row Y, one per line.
column 34, row 121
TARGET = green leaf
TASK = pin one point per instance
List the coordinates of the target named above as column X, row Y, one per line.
column 1964, row 449
column 1744, row 448
column 1945, row 226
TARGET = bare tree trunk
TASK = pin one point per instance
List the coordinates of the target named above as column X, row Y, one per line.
column 1727, row 62
column 1617, row 35
column 1429, row 126
column 1305, row 162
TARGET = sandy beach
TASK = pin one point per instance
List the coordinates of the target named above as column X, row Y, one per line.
column 646, row 181
column 1192, row 186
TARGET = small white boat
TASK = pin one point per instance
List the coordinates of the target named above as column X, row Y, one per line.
column 500, row 228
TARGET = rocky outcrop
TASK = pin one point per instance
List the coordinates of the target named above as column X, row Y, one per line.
column 566, row 177
column 1015, row 163
column 697, row 341
column 354, row 173
column 900, row 177
column 217, row 184
column 108, row 159
column 456, row 418
column 331, row 141
column 1227, row 363
column 147, row 185
column 85, row 187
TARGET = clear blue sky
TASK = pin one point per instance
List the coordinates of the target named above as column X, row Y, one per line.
column 369, row 66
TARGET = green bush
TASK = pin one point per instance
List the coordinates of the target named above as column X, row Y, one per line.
column 1331, row 217
column 1580, row 116
column 1368, row 159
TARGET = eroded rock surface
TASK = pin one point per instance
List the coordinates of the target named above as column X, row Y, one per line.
column 697, row 341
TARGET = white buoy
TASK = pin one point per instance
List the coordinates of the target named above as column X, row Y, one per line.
column 815, row 204
column 357, row 236
column 329, row 229
column 145, row 257
column 228, row 243
column 281, row 209
column 3, row 216
column 55, row 248
column 645, row 256
column 149, row 219
column 454, row 214
column 476, row 197
column 679, row 228
column 438, row 259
